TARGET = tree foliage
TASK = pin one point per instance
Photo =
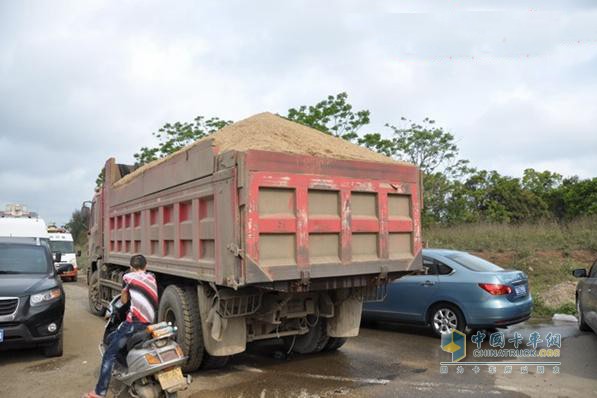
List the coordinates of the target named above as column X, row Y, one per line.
column 425, row 144
column 177, row 135
column 333, row 115
column 78, row 225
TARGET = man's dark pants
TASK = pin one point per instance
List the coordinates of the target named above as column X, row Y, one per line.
column 117, row 341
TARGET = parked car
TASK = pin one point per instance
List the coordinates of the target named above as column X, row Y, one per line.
column 586, row 298
column 457, row 291
column 31, row 298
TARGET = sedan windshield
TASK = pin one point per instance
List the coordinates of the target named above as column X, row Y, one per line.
column 474, row 263
column 61, row 246
column 23, row 259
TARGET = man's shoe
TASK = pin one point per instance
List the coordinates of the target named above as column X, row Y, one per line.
column 92, row 394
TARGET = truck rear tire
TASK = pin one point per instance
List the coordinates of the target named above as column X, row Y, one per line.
column 334, row 343
column 93, row 292
column 180, row 305
column 312, row 342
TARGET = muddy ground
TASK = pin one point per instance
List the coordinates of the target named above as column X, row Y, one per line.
column 384, row 361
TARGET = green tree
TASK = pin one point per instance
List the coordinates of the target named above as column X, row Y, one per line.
column 542, row 183
column 575, row 198
column 174, row 136
column 334, row 115
column 425, row 144
column 503, row 199
column 99, row 180
column 77, row 226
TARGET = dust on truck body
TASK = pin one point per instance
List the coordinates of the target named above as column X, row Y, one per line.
column 253, row 244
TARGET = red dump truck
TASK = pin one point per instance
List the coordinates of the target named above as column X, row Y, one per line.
column 265, row 230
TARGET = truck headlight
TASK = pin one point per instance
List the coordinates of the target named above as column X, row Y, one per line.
column 48, row 295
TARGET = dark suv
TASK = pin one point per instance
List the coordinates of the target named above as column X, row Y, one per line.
column 31, row 298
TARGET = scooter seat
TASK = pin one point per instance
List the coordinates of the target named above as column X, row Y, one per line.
column 137, row 339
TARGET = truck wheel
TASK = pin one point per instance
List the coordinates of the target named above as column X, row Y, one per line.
column 213, row 362
column 180, row 306
column 55, row 350
column 334, row 343
column 313, row 341
column 95, row 303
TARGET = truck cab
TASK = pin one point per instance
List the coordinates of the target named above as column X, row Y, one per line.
column 61, row 241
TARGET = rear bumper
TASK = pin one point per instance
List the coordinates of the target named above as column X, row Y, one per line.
column 332, row 275
column 66, row 270
column 69, row 274
column 499, row 312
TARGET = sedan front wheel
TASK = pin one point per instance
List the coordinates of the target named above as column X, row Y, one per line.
column 445, row 317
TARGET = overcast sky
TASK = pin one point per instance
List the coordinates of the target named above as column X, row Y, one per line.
column 80, row 81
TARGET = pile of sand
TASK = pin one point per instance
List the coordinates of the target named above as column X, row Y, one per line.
column 268, row 132
column 560, row 294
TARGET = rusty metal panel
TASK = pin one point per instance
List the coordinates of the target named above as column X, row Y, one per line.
column 277, row 249
column 308, row 225
column 174, row 229
column 265, row 217
column 399, row 206
column 324, row 203
column 225, row 208
column 189, row 165
column 324, row 248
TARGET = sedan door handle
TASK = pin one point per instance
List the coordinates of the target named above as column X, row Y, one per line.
column 428, row 283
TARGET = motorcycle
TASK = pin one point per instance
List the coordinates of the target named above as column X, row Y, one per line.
column 150, row 364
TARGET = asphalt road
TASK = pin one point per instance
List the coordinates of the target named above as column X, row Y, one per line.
column 384, row 361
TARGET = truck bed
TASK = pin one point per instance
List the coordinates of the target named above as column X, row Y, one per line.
column 269, row 219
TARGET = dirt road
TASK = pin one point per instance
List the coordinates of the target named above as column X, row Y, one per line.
column 385, row 361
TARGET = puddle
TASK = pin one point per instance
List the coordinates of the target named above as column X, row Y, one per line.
column 544, row 326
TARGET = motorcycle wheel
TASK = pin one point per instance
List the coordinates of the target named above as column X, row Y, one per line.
column 149, row 390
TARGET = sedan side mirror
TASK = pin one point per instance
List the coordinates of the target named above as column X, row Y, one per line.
column 580, row 273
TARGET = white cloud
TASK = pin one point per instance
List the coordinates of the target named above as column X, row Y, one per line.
column 83, row 81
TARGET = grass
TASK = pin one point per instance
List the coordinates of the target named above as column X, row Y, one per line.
column 547, row 252
column 578, row 235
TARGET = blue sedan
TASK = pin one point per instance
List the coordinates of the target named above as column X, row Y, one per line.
column 457, row 291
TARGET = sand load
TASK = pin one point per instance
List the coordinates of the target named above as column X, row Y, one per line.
column 269, row 132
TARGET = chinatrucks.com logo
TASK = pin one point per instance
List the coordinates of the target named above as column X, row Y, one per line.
column 454, row 343
column 493, row 351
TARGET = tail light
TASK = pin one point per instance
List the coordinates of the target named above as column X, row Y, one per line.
column 496, row 289
column 152, row 359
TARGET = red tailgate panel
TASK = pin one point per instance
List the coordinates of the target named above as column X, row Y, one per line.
column 330, row 226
